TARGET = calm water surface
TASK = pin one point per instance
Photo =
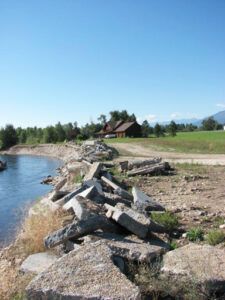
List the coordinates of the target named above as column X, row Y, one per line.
column 19, row 187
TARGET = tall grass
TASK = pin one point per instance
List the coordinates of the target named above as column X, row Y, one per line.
column 30, row 240
column 37, row 226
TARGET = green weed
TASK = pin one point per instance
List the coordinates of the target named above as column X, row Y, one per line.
column 195, row 234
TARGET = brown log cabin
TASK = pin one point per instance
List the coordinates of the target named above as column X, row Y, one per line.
column 121, row 129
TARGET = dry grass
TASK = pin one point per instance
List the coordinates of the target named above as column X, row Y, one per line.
column 30, row 240
column 36, row 227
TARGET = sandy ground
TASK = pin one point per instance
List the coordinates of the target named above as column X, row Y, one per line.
column 129, row 151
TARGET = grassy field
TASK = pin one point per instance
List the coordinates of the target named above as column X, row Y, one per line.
column 189, row 142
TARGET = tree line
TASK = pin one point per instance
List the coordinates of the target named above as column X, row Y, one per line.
column 10, row 136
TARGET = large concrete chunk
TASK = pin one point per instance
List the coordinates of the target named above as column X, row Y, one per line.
column 143, row 163
column 113, row 199
column 94, row 171
column 95, row 183
column 117, row 190
column 202, row 264
column 38, row 262
column 83, row 207
column 88, row 193
column 66, row 198
column 88, row 273
column 130, row 219
column 79, row 229
column 144, row 203
column 130, row 247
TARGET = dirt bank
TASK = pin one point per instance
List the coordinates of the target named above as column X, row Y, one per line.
column 64, row 152
column 130, row 151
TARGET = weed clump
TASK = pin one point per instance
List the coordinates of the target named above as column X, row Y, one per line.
column 195, row 234
column 215, row 237
column 167, row 219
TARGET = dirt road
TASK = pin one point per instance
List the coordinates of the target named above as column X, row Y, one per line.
column 131, row 150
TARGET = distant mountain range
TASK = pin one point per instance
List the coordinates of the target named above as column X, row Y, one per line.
column 219, row 117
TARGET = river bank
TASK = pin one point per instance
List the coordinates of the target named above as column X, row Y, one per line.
column 43, row 216
column 60, row 151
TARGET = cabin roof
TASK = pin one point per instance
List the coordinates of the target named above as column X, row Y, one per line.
column 124, row 126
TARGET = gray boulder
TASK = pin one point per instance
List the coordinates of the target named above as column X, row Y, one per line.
column 88, row 273
column 38, row 262
column 202, row 265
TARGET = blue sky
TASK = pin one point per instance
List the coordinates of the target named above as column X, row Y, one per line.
column 72, row 60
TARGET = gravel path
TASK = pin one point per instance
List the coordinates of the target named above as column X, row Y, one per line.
column 133, row 150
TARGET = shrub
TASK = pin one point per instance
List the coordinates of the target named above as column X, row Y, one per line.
column 195, row 234
column 167, row 219
column 215, row 237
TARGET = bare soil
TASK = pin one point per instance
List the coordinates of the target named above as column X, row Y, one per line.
column 196, row 194
column 131, row 150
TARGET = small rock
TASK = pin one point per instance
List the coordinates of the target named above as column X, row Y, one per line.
column 38, row 262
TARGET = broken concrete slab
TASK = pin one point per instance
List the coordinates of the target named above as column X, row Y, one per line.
column 66, row 198
column 38, row 262
column 158, row 169
column 93, row 182
column 144, row 203
column 88, row 273
column 87, row 193
column 82, row 207
column 79, row 229
column 94, row 171
column 132, row 220
column 130, row 247
column 60, row 184
column 56, row 195
column 134, row 164
column 202, row 264
column 117, row 189
column 113, row 199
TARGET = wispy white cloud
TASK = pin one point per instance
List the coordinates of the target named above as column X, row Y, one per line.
column 175, row 115
column 149, row 118
column 220, row 105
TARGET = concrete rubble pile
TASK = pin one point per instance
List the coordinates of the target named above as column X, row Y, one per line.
column 109, row 229
column 95, row 150
column 106, row 225
column 153, row 166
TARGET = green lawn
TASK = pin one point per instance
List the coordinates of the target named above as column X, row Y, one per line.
column 190, row 142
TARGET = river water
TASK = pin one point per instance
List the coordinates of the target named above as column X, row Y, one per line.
column 19, row 187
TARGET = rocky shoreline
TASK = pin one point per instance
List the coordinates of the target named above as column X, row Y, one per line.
column 110, row 237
